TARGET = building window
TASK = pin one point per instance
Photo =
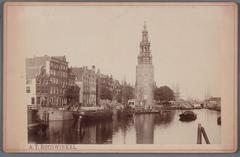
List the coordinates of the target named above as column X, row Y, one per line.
column 33, row 100
column 28, row 90
column 38, row 100
column 38, row 81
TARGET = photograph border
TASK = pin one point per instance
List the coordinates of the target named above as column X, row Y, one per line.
column 106, row 151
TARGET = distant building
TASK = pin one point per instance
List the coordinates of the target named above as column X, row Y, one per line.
column 144, row 74
column 86, row 81
column 51, row 79
column 176, row 91
column 98, row 87
column 92, row 86
column 213, row 102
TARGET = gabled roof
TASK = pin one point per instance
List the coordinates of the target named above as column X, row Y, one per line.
column 61, row 58
column 79, row 72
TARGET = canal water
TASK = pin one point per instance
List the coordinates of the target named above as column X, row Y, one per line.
column 164, row 128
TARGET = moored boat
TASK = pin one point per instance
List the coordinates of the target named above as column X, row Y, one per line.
column 93, row 114
column 146, row 112
column 188, row 116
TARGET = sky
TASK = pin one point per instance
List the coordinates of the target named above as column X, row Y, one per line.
column 186, row 41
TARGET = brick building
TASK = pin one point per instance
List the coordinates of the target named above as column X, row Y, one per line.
column 86, row 80
column 51, row 79
column 72, row 92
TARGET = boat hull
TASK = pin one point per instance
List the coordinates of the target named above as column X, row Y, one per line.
column 93, row 116
column 187, row 117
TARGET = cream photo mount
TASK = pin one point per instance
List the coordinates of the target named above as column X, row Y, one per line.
column 19, row 30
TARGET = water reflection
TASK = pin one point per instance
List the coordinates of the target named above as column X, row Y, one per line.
column 165, row 117
column 162, row 128
column 144, row 125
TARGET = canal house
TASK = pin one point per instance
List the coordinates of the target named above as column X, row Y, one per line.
column 51, row 79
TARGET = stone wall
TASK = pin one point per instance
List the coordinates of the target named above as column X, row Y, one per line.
column 55, row 114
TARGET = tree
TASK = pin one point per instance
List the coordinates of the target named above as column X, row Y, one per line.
column 105, row 93
column 124, row 93
column 163, row 93
column 128, row 92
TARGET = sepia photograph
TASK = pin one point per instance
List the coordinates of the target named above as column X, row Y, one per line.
column 123, row 74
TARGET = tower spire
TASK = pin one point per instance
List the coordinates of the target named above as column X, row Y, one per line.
column 145, row 56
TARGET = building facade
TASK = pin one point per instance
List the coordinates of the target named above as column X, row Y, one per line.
column 213, row 102
column 31, row 92
column 72, row 92
column 43, row 88
column 98, row 87
column 144, row 73
column 51, row 79
column 86, row 80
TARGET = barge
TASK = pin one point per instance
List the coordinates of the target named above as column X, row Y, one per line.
column 188, row 116
column 92, row 115
column 147, row 112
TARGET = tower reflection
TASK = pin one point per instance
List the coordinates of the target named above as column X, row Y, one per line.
column 144, row 125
